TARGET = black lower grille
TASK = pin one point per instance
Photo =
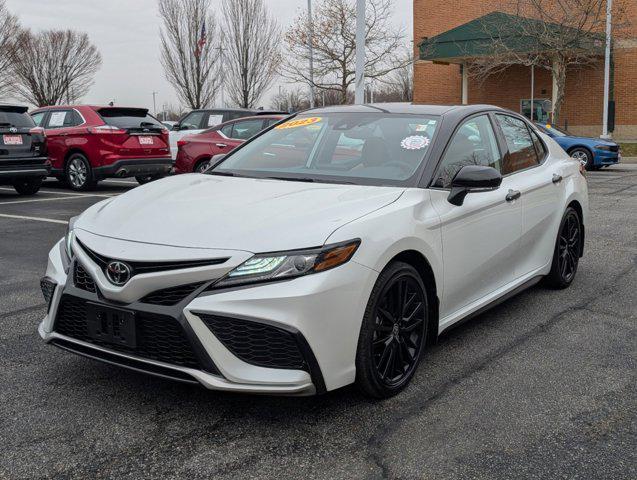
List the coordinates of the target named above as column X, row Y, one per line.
column 158, row 337
column 82, row 279
column 170, row 296
column 256, row 343
column 48, row 289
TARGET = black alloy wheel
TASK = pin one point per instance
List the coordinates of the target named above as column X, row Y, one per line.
column 393, row 332
column 201, row 166
column 567, row 251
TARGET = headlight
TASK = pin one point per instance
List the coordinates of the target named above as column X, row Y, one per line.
column 285, row 265
column 606, row 148
column 68, row 239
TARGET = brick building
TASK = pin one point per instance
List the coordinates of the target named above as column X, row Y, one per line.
column 441, row 81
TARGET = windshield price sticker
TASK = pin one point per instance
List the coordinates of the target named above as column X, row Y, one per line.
column 302, row 122
column 415, row 142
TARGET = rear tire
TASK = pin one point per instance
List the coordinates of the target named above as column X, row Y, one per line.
column 28, row 186
column 393, row 332
column 567, row 251
column 78, row 173
column 201, row 166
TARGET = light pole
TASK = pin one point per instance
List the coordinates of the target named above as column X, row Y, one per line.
column 154, row 103
column 609, row 18
column 310, row 35
column 359, row 94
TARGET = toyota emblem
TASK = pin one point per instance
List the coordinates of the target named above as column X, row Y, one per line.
column 118, row 272
column 13, row 130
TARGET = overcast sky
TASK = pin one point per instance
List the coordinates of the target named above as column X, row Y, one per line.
column 127, row 35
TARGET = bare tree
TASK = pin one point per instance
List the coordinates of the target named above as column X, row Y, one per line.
column 251, row 50
column 398, row 86
column 54, row 66
column 290, row 101
column 334, row 44
column 559, row 36
column 190, row 53
column 9, row 29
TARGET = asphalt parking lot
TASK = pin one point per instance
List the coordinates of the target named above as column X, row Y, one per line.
column 542, row 386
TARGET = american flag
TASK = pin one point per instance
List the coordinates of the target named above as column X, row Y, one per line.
column 202, row 39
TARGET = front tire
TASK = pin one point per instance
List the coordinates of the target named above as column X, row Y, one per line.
column 393, row 332
column 78, row 173
column 567, row 251
column 28, row 186
column 584, row 157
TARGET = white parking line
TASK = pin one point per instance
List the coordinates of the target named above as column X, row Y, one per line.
column 37, row 219
column 55, row 192
column 38, row 200
column 123, row 182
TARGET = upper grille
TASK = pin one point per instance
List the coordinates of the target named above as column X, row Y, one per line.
column 257, row 343
column 148, row 267
column 158, row 337
column 82, row 279
column 171, row 296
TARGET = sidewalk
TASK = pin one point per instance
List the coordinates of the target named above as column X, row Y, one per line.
column 628, row 160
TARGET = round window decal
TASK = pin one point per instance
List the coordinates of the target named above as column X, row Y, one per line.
column 415, row 142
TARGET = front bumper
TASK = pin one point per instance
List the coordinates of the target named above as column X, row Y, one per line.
column 135, row 167
column 13, row 168
column 603, row 157
column 322, row 313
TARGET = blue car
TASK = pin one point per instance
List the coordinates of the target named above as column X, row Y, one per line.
column 595, row 153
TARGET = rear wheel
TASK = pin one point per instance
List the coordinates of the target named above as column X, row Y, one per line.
column 27, row 186
column 393, row 332
column 584, row 157
column 201, row 166
column 78, row 173
column 567, row 251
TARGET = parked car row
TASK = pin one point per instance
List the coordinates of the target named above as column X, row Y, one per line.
column 83, row 144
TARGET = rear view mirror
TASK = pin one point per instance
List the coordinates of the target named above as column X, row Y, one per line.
column 473, row 178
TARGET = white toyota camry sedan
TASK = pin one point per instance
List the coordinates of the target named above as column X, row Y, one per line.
column 330, row 249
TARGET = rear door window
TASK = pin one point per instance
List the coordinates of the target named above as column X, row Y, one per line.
column 243, row 130
column 63, row 119
column 522, row 153
column 12, row 118
column 128, row 118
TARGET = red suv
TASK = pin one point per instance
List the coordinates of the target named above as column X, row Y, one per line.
column 90, row 143
column 194, row 151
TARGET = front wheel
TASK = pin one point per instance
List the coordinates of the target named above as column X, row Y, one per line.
column 201, row 166
column 27, row 186
column 567, row 251
column 585, row 158
column 393, row 332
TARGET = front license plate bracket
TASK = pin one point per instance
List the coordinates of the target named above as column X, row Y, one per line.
column 112, row 325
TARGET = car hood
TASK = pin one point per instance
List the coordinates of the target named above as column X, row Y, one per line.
column 589, row 141
column 255, row 215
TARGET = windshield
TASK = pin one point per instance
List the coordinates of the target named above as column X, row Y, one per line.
column 361, row 148
column 553, row 130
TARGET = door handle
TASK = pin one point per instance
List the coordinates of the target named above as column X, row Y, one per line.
column 513, row 195
column 557, row 178
column 221, row 145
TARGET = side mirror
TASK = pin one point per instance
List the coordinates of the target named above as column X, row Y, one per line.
column 473, row 178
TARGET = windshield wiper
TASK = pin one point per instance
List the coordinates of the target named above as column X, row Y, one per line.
column 294, row 179
column 223, row 174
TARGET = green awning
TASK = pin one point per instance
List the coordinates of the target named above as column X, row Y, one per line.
column 476, row 38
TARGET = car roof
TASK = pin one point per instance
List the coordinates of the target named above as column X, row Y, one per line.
column 402, row 108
